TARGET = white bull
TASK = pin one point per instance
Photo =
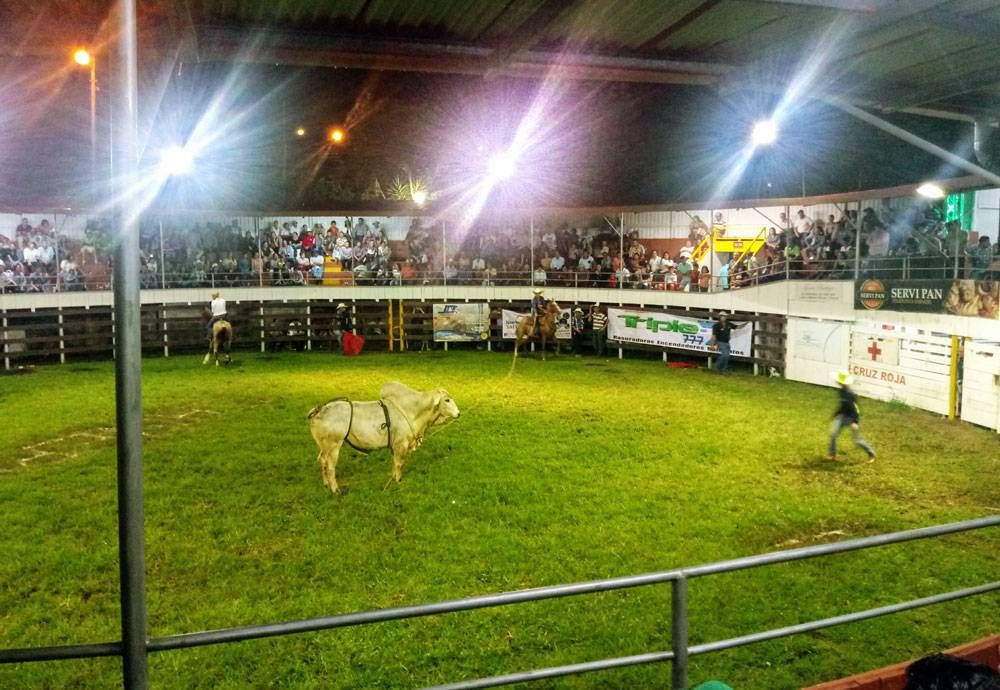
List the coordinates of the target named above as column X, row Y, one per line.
column 397, row 421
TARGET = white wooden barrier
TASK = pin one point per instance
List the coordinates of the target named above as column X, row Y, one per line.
column 815, row 349
column 906, row 364
column 981, row 384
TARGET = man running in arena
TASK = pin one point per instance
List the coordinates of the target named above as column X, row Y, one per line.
column 847, row 415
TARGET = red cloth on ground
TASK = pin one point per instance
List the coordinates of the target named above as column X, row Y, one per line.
column 353, row 344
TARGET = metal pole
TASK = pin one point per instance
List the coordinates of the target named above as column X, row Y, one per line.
column 679, row 632
column 260, row 252
column 93, row 129
column 711, row 252
column 163, row 260
column 444, row 254
column 621, row 257
column 128, row 355
column 531, row 251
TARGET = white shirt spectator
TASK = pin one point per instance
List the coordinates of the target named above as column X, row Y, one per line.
column 803, row 224
column 478, row 264
column 539, row 276
column 558, row 263
column 30, row 255
column 549, row 238
column 687, row 250
column 655, row 263
column 46, row 253
column 586, row 262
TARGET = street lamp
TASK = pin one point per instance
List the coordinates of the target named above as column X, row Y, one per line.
column 85, row 58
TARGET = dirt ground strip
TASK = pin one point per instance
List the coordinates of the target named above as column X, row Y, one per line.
column 70, row 446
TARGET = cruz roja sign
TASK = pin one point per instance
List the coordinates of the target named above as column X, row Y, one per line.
column 672, row 331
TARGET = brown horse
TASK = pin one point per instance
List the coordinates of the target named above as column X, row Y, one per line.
column 222, row 335
column 546, row 327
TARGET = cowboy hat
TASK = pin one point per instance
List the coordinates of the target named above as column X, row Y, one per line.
column 578, row 309
column 842, row 377
column 537, row 291
column 215, row 295
column 341, row 306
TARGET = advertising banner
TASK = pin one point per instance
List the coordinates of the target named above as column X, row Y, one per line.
column 959, row 297
column 668, row 330
column 461, row 322
column 511, row 319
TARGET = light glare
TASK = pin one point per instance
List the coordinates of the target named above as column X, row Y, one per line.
column 502, row 166
column 176, row 160
column 765, row 133
column 82, row 57
column 300, row 132
column 419, row 197
column 337, row 135
column 929, row 190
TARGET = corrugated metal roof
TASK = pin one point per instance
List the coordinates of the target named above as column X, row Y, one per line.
column 949, row 39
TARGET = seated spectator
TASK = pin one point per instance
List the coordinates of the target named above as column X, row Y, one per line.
column 539, row 276
column 24, row 230
column 558, row 262
column 683, row 269
column 687, row 250
column 704, row 279
column 586, row 263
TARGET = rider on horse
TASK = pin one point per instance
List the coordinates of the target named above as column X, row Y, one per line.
column 218, row 312
column 537, row 309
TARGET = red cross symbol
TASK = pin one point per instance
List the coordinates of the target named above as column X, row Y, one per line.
column 874, row 350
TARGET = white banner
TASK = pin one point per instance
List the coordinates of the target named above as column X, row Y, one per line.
column 461, row 322
column 512, row 318
column 667, row 330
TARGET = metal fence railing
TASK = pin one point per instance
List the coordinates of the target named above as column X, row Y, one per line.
column 680, row 650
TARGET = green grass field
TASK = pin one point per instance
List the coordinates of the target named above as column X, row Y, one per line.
column 569, row 470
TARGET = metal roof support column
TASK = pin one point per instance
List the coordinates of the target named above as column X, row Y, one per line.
column 128, row 351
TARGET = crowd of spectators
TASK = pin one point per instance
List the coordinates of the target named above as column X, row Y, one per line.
column 34, row 261
column 289, row 252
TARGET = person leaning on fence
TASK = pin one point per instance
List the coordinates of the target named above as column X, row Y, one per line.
column 599, row 321
column 577, row 323
column 847, row 414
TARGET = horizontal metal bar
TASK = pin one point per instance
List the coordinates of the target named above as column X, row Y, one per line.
column 840, row 620
column 251, row 632
column 556, row 671
column 75, row 651
column 839, row 547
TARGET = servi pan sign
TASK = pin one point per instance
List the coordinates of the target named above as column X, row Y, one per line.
column 959, row 297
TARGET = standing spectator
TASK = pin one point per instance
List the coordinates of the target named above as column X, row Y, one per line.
column 724, row 275
column 599, row 322
column 847, row 415
column 803, row 224
column 576, row 325
column 705, row 280
column 981, row 257
column 721, row 332
column 341, row 323
column 684, row 273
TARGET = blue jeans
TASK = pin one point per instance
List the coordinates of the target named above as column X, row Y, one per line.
column 722, row 365
column 839, row 422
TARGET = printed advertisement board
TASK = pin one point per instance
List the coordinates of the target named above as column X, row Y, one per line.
column 959, row 297
column 461, row 322
column 669, row 330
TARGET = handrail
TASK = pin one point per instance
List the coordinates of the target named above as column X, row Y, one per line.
column 679, row 578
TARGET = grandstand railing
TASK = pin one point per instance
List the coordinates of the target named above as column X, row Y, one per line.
column 743, row 275
column 680, row 650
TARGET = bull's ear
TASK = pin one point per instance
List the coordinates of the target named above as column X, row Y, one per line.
column 439, row 395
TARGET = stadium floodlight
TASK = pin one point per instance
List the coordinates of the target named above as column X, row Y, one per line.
column 929, row 190
column 176, row 160
column 765, row 133
column 300, row 132
column 503, row 165
column 82, row 57
column 420, row 197
column 337, row 135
